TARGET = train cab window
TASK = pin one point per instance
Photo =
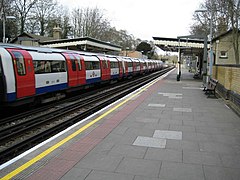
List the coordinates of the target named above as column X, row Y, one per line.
column 20, row 63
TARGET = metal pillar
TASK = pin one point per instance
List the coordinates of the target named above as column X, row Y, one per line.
column 204, row 62
column 179, row 65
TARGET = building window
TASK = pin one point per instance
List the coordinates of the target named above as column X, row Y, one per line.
column 223, row 55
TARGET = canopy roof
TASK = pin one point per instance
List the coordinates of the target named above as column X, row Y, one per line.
column 185, row 43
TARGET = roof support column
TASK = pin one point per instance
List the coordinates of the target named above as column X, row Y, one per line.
column 179, row 64
column 204, row 62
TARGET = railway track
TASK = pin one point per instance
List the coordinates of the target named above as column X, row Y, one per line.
column 16, row 138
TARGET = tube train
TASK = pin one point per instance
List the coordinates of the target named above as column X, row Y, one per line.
column 39, row 75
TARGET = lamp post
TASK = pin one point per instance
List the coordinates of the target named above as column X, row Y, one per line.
column 4, row 24
column 210, row 64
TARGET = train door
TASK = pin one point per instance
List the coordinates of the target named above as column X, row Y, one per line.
column 76, row 73
column 1, row 82
column 105, row 69
column 120, row 68
column 24, row 73
column 72, row 70
column 81, row 70
column 126, row 67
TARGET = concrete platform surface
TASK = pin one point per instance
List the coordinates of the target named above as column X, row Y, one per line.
column 167, row 131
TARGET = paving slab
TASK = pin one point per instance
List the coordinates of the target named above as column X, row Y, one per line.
column 181, row 171
column 150, row 142
column 144, row 167
column 166, row 134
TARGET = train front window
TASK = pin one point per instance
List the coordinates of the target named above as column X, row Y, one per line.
column 19, row 60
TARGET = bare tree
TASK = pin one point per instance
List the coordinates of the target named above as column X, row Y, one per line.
column 225, row 17
column 23, row 7
column 234, row 11
column 77, row 20
column 42, row 12
column 65, row 25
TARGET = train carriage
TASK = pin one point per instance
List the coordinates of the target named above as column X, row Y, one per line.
column 93, row 70
column 114, row 66
column 105, row 68
column 129, row 66
column 143, row 66
column 136, row 66
column 123, row 68
column 50, row 72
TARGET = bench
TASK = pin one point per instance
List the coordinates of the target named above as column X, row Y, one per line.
column 211, row 87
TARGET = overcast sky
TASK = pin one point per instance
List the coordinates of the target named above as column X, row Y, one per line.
column 145, row 18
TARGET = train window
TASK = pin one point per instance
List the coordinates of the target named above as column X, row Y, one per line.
column 96, row 65
column 91, row 65
column 120, row 64
column 47, row 66
column 74, row 67
column 88, row 65
column 114, row 64
column 58, row 66
column 20, row 63
column 130, row 64
column 79, row 62
column 105, row 64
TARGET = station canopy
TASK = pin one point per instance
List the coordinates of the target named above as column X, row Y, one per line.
column 84, row 44
column 188, row 44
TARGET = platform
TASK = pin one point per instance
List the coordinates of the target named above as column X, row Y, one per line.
column 168, row 130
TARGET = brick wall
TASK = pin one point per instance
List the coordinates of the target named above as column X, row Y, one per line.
column 236, row 80
column 229, row 77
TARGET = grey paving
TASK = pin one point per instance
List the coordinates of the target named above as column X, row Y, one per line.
column 181, row 171
column 176, row 133
column 149, row 168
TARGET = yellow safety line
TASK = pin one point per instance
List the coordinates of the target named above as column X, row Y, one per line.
column 49, row 150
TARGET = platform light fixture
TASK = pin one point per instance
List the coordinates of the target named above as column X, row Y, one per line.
column 4, row 26
column 210, row 38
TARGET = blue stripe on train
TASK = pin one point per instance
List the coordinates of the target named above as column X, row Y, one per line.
column 52, row 88
column 93, row 80
column 116, row 76
column 11, row 97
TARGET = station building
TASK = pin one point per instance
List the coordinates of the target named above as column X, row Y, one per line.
column 81, row 43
